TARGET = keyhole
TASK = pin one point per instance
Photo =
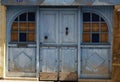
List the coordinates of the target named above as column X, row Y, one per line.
column 66, row 28
column 66, row 31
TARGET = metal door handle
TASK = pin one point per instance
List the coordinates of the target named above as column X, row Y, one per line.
column 45, row 37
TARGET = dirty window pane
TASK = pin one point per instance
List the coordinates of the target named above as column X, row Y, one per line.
column 102, row 20
column 95, row 29
column 22, row 37
column 86, row 17
column 104, row 37
column 16, row 19
column 104, row 27
column 15, row 26
column 23, row 28
column 95, row 18
column 23, row 17
column 95, row 37
column 86, row 27
column 31, row 16
column 86, row 37
column 14, row 36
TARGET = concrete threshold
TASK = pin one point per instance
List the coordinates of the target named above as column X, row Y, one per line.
column 93, row 80
column 22, row 81
column 21, row 78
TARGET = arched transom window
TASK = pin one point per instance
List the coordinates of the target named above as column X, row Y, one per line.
column 95, row 29
column 23, row 28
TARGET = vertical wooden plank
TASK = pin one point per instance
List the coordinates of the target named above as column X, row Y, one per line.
column 68, row 64
column 48, row 59
column 68, row 59
column 48, row 63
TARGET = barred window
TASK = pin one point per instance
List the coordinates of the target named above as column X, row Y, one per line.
column 23, row 28
column 95, row 29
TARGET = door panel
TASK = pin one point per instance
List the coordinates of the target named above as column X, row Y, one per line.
column 49, row 24
column 68, row 27
column 22, row 60
column 95, row 63
column 68, row 58
column 48, row 59
column 48, row 63
column 68, row 63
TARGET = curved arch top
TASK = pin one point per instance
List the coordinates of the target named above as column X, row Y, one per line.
column 102, row 13
column 12, row 14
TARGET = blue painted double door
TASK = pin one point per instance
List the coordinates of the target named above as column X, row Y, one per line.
column 58, row 45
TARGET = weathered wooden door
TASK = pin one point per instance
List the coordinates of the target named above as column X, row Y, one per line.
column 95, row 47
column 58, row 45
column 22, row 46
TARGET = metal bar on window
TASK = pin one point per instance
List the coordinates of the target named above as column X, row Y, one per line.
column 18, row 27
column 90, row 27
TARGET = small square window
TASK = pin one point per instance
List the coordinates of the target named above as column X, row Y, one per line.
column 95, row 18
column 31, row 16
column 102, row 20
column 16, row 19
column 22, row 37
column 23, row 17
column 86, row 17
column 95, row 37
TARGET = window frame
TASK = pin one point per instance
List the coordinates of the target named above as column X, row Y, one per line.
column 90, row 32
column 27, row 31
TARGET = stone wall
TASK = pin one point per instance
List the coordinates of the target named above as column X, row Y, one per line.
column 116, row 46
column 2, row 38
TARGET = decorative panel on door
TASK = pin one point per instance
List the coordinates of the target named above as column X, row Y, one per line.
column 68, row 27
column 48, row 63
column 95, row 62
column 68, row 63
column 22, row 60
column 48, row 27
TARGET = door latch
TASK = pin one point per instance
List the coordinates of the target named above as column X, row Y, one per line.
column 45, row 37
